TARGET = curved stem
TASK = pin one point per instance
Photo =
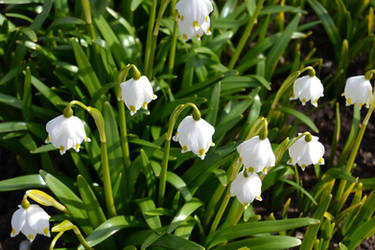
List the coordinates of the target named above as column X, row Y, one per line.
column 53, row 242
column 172, row 121
column 99, row 121
column 81, row 238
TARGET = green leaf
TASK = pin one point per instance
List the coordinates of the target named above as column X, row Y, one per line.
column 146, row 205
column 213, row 106
column 179, row 184
column 69, row 199
column 134, row 4
column 170, row 241
column 252, row 228
column 92, row 206
column 12, row 126
column 298, row 187
column 274, row 9
column 110, row 227
column 20, row 1
column 328, row 25
column 89, row 78
column 44, row 148
column 22, row 182
column 312, row 231
column 361, row 232
column 11, row 74
column 47, row 92
column 279, row 47
column 302, row 117
column 187, row 209
column 27, row 97
column 39, row 20
column 271, row 242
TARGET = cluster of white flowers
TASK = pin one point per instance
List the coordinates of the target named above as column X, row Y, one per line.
column 194, row 19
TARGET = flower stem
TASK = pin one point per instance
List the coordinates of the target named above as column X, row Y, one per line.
column 172, row 54
column 245, row 35
column 172, row 121
column 99, row 121
column 122, row 116
column 354, row 152
column 53, row 242
column 149, row 40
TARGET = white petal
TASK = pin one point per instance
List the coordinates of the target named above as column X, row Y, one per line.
column 18, row 221
column 38, row 220
column 246, row 189
column 28, row 232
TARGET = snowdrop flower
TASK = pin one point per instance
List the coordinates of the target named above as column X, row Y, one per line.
column 256, row 154
column 246, row 188
column 31, row 221
column 137, row 93
column 358, row 91
column 305, row 151
column 195, row 135
column 66, row 132
column 194, row 20
column 307, row 88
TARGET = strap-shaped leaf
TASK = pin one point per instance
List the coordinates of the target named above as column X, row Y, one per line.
column 22, row 182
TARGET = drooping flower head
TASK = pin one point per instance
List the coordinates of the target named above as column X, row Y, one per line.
column 358, row 90
column 194, row 20
column 246, row 188
column 308, row 88
column 195, row 135
column 31, row 221
column 66, row 132
column 137, row 93
column 305, row 151
column 256, row 154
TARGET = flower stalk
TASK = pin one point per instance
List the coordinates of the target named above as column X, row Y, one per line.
column 122, row 117
column 172, row 121
column 64, row 226
column 99, row 121
column 357, row 143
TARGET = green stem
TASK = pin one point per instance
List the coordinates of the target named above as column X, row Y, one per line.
column 81, row 238
column 53, row 242
column 99, row 122
column 122, row 116
column 87, row 13
column 149, row 40
column 354, row 152
column 172, row 121
column 231, row 174
column 172, row 54
column 285, row 86
column 245, row 35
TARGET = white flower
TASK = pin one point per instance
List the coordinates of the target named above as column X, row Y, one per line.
column 194, row 20
column 195, row 136
column 256, row 154
column 246, row 189
column 65, row 133
column 305, row 153
column 30, row 221
column 307, row 88
column 137, row 93
column 358, row 90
